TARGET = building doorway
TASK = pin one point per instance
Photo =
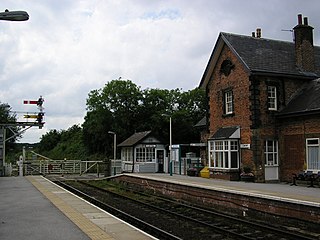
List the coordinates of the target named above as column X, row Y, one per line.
column 271, row 167
column 160, row 160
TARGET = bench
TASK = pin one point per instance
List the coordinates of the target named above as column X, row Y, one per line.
column 305, row 176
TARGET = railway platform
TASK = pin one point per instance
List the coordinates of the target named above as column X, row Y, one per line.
column 251, row 200
column 34, row 208
column 283, row 192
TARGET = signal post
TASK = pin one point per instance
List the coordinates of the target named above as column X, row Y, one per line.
column 34, row 119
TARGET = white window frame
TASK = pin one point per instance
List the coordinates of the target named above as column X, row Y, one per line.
column 271, row 153
column 310, row 165
column 127, row 154
column 228, row 99
column 145, row 154
column 221, row 153
column 272, row 98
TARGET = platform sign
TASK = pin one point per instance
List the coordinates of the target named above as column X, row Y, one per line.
column 198, row 144
column 245, row 146
column 30, row 116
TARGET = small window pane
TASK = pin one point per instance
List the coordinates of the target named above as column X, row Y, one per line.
column 219, row 159
column 234, row 145
column 226, row 159
column 272, row 98
column 234, row 159
column 226, row 145
column 313, row 141
column 228, row 102
column 271, row 153
column 313, row 154
column 219, row 145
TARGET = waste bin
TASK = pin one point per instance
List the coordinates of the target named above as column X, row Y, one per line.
column 205, row 173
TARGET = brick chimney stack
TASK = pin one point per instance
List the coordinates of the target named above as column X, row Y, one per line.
column 303, row 37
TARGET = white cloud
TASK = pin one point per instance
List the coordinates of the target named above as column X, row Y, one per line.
column 68, row 48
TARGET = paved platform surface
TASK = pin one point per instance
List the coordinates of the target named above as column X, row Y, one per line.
column 34, row 208
column 276, row 191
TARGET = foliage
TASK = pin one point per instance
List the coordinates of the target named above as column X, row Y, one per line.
column 122, row 107
column 49, row 140
column 15, row 151
column 63, row 144
column 120, row 100
column 6, row 116
column 95, row 131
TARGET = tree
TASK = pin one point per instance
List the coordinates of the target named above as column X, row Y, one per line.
column 49, row 140
column 6, row 116
column 155, row 103
column 123, row 108
column 63, row 144
column 95, row 131
column 111, row 108
column 191, row 108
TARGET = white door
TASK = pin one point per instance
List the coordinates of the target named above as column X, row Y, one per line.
column 271, row 173
column 271, row 168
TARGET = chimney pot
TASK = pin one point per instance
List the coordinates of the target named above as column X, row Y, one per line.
column 253, row 34
column 299, row 19
column 258, row 32
column 304, row 50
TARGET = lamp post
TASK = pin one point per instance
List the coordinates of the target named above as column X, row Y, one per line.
column 114, row 149
column 14, row 15
column 170, row 144
column 170, row 147
column 114, row 144
column 8, row 16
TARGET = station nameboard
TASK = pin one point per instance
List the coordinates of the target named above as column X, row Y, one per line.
column 245, row 145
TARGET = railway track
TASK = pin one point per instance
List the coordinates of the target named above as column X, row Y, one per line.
column 169, row 219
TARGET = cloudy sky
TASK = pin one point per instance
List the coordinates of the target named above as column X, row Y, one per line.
column 69, row 47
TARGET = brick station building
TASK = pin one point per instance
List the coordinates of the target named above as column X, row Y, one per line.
column 263, row 105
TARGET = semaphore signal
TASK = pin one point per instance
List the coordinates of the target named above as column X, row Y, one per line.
column 38, row 102
column 29, row 102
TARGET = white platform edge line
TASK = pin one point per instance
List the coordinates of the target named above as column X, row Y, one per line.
column 147, row 234
column 270, row 197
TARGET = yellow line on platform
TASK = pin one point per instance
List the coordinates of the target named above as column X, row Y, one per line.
column 88, row 227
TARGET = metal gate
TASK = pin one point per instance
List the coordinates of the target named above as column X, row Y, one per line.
column 62, row 167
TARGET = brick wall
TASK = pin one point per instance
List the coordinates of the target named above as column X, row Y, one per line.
column 226, row 201
column 292, row 143
column 237, row 80
column 256, row 121
column 264, row 122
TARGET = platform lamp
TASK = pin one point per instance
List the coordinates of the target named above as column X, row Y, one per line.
column 9, row 16
column 14, row 15
column 114, row 144
column 170, row 144
column 114, row 148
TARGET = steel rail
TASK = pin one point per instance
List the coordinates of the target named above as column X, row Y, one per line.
column 153, row 230
column 263, row 227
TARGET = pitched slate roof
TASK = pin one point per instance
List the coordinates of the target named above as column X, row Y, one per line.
column 134, row 139
column 202, row 123
column 266, row 55
column 226, row 132
column 261, row 56
column 306, row 101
